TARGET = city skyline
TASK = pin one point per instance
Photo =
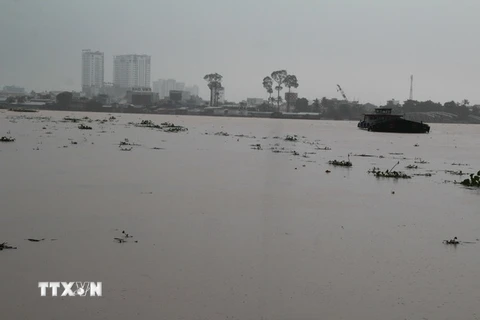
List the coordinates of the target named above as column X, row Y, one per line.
column 371, row 51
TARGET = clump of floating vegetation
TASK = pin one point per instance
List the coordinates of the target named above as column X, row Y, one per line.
column 70, row 119
column 84, row 127
column 453, row 241
column 388, row 174
column 474, row 180
column 257, row 146
column 341, row 163
column 291, row 138
column 419, row 160
column 7, row 139
column 456, row 173
column 423, row 174
column 365, row 155
column 165, row 126
column 4, row 246
column 127, row 143
column 247, row 136
column 170, row 127
column 147, row 124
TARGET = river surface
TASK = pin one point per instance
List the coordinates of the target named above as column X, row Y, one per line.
column 226, row 231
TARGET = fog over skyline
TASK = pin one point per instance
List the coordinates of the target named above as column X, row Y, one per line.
column 369, row 47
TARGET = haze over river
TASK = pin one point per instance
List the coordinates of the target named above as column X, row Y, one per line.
column 226, row 231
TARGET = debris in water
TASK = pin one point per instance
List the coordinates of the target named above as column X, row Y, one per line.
column 474, row 180
column 419, row 160
column 4, row 245
column 245, row 136
column 125, row 236
column 7, row 139
column 170, row 127
column 341, row 163
column 84, row 127
column 364, row 155
column 127, row 142
column 453, row 241
column 69, row 119
column 257, row 146
column 388, row 174
column 457, row 173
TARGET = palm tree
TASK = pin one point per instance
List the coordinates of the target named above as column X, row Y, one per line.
column 290, row 81
column 214, row 83
column 267, row 84
column 279, row 77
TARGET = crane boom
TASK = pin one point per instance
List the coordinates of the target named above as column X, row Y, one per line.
column 339, row 89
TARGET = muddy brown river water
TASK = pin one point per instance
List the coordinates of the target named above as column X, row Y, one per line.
column 226, row 231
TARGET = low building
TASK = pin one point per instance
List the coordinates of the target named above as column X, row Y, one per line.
column 179, row 95
column 142, row 97
column 14, row 90
column 253, row 102
column 227, row 110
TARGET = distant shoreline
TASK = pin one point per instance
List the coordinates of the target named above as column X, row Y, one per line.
column 177, row 112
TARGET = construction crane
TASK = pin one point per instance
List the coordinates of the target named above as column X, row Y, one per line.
column 339, row 89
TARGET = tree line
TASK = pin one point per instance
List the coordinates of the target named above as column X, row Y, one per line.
column 344, row 110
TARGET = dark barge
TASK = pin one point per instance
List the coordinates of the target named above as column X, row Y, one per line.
column 384, row 121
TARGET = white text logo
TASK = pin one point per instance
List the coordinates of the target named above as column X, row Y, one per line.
column 71, row 289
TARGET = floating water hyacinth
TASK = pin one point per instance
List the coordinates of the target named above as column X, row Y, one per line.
column 342, row 163
column 388, row 174
column 7, row 139
column 474, row 180
column 291, row 138
column 84, row 127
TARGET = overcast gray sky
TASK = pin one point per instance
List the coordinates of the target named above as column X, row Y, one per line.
column 370, row 47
